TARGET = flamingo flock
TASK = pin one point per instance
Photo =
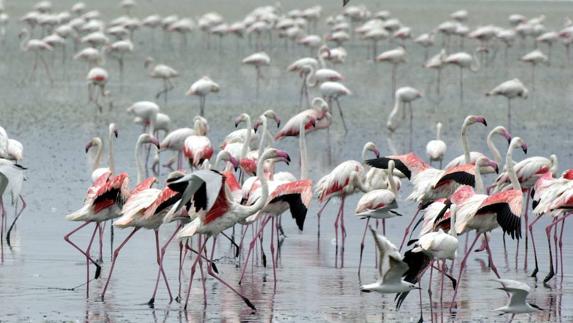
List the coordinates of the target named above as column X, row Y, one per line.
column 236, row 189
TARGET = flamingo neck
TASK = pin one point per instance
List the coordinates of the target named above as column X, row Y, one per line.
column 452, row 231
column 138, row 161
column 110, row 161
column 393, row 187
column 311, row 79
column 98, row 156
column 303, row 151
column 394, row 112
column 439, row 132
column 247, row 142
column 262, row 201
column 510, row 170
column 357, row 180
column 465, row 143
column 25, row 39
column 475, row 65
column 263, row 136
column 493, row 148
column 480, row 187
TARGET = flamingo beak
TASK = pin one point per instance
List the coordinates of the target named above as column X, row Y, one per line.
column 377, row 153
column 483, row 121
column 89, row 146
column 155, row 142
column 235, row 163
column 524, row 147
column 278, row 121
column 115, row 133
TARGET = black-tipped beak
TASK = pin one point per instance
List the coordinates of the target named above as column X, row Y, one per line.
column 236, row 124
column 485, row 122
column 496, row 169
column 116, row 133
column 525, row 150
column 508, row 141
column 88, row 147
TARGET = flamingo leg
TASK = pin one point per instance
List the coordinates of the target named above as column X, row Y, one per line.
column 555, row 245
column 561, row 245
column 88, row 262
column 67, row 239
column 18, row 213
column 336, row 234
column 490, row 257
column 407, row 231
column 160, row 257
column 252, row 246
column 526, row 227
column 319, row 213
column 273, row 253
column 214, row 275
column 534, row 273
column 430, row 289
column 47, row 68
column 548, row 234
column 462, row 267
column 341, row 115
column 115, row 254
column 362, row 246
column 202, row 244
column 508, row 114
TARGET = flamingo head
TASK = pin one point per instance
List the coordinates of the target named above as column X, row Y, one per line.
column 276, row 154
column 503, row 132
column 243, row 117
column 472, row 119
column 148, row 61
column 94, row 142
column 370, row 146
column 149, row 139
column 272, row 115
column 113, row 129
column 320, row 105
column 518, row 142
column 201, row 125
column 524, row 94
column 484, row 162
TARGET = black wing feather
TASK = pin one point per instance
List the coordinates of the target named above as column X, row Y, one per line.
column 297, row 209
column 510, row 223
column 382, row 163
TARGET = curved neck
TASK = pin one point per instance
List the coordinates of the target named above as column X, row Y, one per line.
column 394, row 111
column 247, row 142
column 110, row 161
column 438, row 132
column 453, row 223
column 138, row 161
column 262, row 201
column 480, row 187
column 511, row 171
column 357, row 179
column 302, row 148
column 311, row 79
column 320, row 59
column 493, row 148
column 393, row 187
column 263, row 136
column 98, row 156
column 465, row 143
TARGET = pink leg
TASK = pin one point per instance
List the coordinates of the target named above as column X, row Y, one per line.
column 67, row 239
column 343, row 232
column 462, row 267
column 16, row 217
column 561, row 245
column 115, row 254
column 160, row 255
column 202, row 244
column 336, row 234
column 252, row 246
column 490, row 258
column 526, row 227
column 548, row 234
column 430, row 289
column 212, row 274
column 203, row 278
column 320, row 213
column 88, row 261
column 100, row 238
column 555, row 245
column 362, row 246
column 408, row 228
column 530, row 228
column 273, row 252
column 517, row 254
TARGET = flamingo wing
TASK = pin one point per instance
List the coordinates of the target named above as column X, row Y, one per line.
column 463, row 174
column 298, row 196
column 382, row 163
column 507, row 207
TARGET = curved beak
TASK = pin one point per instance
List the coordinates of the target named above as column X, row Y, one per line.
column 278, row 121
column 155, row 142
column 115, row 133
column 89, row 146
column 377, row 153
column 524, row 147
column 234, row 162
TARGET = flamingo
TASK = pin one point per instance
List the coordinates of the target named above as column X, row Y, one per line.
column 510, row 89
column 345, row 179
column 395, row 57
column 97, row 78
column 222, row 213
column 202, row 88
column 500, row 209
column 319, row 113
column 437, row 62
column 258, row 60
column 332, row 91
column 436, row 149
column 163, row 72
column 378, row 204
column 38, row 47
column 118, row 50
column 90, row 55
column 11, row 181
column 98, row 144
column 535, row 58
column 548, row 38
column 425, row 40
column 404, row 97
column 463, row 60
column 197, row 149
column 175, row 140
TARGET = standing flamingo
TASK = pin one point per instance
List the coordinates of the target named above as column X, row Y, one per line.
column 534, row 58
column 395, row 57
column 97, row 80
column 436, row 149
column 163, row 72
column 38, row 47
column 510, row 89
column 404, row 97
column 463, row 60
column 332, row 91
column 202, row 88
column 118, row 50
column 258, row 60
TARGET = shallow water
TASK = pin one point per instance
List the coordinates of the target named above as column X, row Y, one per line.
column 55, row 122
